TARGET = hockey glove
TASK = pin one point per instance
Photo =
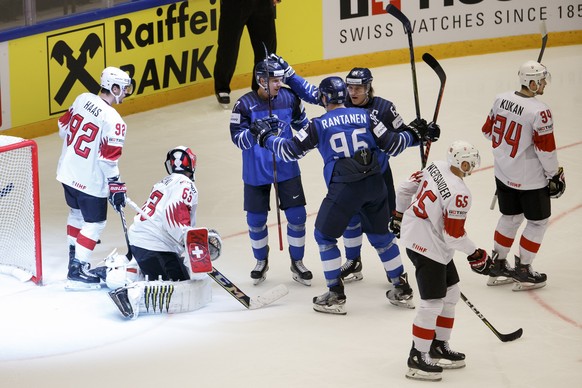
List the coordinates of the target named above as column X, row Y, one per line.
column 117, row 194
column 394, row 224
column 480, row 262
column 433, row 132
column 214, row 244
column 288, row 71
column 557, row 184
column 419, row 127
column 262, row 129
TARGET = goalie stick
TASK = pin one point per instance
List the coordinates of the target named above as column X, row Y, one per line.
column 394, row 11
column 267, row 298
column 275, row 184
column 434, row 64
column 503, row 337
column 544, row 33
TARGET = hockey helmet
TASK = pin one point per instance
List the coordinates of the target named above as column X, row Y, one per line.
column 113, row 76
column 334, row 90
column 268, row 68
column 180, row 159
column 533, row 71
column 359, row 76
column 461, row 151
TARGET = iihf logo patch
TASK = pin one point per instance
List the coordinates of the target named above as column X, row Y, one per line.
column 75, row 60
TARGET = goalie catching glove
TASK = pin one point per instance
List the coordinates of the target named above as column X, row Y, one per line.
column 557, row 184
column 262, row 129
column 480, row 262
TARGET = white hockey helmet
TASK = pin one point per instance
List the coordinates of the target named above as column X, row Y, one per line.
column 533, row 71
column 113, row 76
column 460, row 151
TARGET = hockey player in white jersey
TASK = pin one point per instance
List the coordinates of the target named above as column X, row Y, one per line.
column 434, row 203
column 93, row 135
column 159, row 236
column 527, row 175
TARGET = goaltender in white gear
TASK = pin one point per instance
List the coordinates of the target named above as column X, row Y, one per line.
column 162, row 230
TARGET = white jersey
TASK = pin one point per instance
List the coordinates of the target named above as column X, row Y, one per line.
column 171, row 207
column 435, row 203
column 93, row 134
column 521, row 130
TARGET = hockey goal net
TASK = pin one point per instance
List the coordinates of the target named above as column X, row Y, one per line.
column 20, row 248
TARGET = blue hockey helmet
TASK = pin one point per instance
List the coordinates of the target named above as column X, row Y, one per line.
column 268, row 69
column 334, row 90
column 359, row 76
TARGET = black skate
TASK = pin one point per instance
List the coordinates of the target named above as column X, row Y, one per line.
column 422, row 367
column 526, row 278
column 79, row 277
column 101, row 272
column 444, row 356
column 500, row 273
column 259, row 273
column 300, row 272
column 351, row 271
column 332, row 302
column 401, row 294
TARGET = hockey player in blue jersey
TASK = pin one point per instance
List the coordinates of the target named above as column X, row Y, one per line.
column 361, row 94
column 348, row 140
column 284, row 109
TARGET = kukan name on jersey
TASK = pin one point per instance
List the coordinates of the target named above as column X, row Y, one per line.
column 356, row 118
column 511, row 107
column 437, row 177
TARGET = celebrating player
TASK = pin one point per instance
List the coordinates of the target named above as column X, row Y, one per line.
column 435, row 203
column 93, row 134
column 158, row 238
column 284, row 109
column 527, row 175
column 347, row 139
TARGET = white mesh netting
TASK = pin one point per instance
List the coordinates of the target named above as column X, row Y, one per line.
column 18, row 228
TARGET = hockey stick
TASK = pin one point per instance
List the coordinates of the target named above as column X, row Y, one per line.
column 433, row 63
column 275, row 183
column 267, row 298
column 124, row 224
column 503, row 337
column 392, row 10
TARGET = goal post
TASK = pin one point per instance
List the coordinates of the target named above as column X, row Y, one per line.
column 20, row 244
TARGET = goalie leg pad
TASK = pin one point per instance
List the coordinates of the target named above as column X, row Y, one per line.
column 175, row 297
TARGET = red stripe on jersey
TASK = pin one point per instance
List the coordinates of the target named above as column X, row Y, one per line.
column 445, row 322
column 72, row 231
column 502, row 240
column 487, row 128
column 454, row 227
column 64, row 120
column 422, row 333
column 529, row 245
column 178, row 214
column 86, row 242
column 545, row 142
column 109, row 152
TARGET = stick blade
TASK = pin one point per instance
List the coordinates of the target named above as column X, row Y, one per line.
column 511, row 336
column 269, row 297
column 435, row 65
column 394, row 11
column 543, row 30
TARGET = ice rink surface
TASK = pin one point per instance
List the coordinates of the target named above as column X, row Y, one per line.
column 54, row 338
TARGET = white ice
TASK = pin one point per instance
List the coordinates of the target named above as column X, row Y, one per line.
column 53, row 338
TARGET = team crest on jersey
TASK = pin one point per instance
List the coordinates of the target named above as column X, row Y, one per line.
column 75, row 60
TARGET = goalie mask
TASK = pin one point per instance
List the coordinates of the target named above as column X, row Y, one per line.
column 460, row 151
column 181, row 160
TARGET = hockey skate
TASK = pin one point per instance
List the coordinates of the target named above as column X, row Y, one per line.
column 259, row 273
column 80, row 279
column 500, row 273
column 332, row 302
column 351, row 271
column 401, row 294
column 422, row 367
column 300, row 272
column 127, row 301
column 444, row 356
column 526, row 278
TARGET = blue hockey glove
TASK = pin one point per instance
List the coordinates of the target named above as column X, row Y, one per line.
column 262, row 129
column 433, row 132
column 288, row 70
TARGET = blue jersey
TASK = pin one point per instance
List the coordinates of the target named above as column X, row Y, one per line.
column 383, row 109
column 338, row 134
column 258, row 162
